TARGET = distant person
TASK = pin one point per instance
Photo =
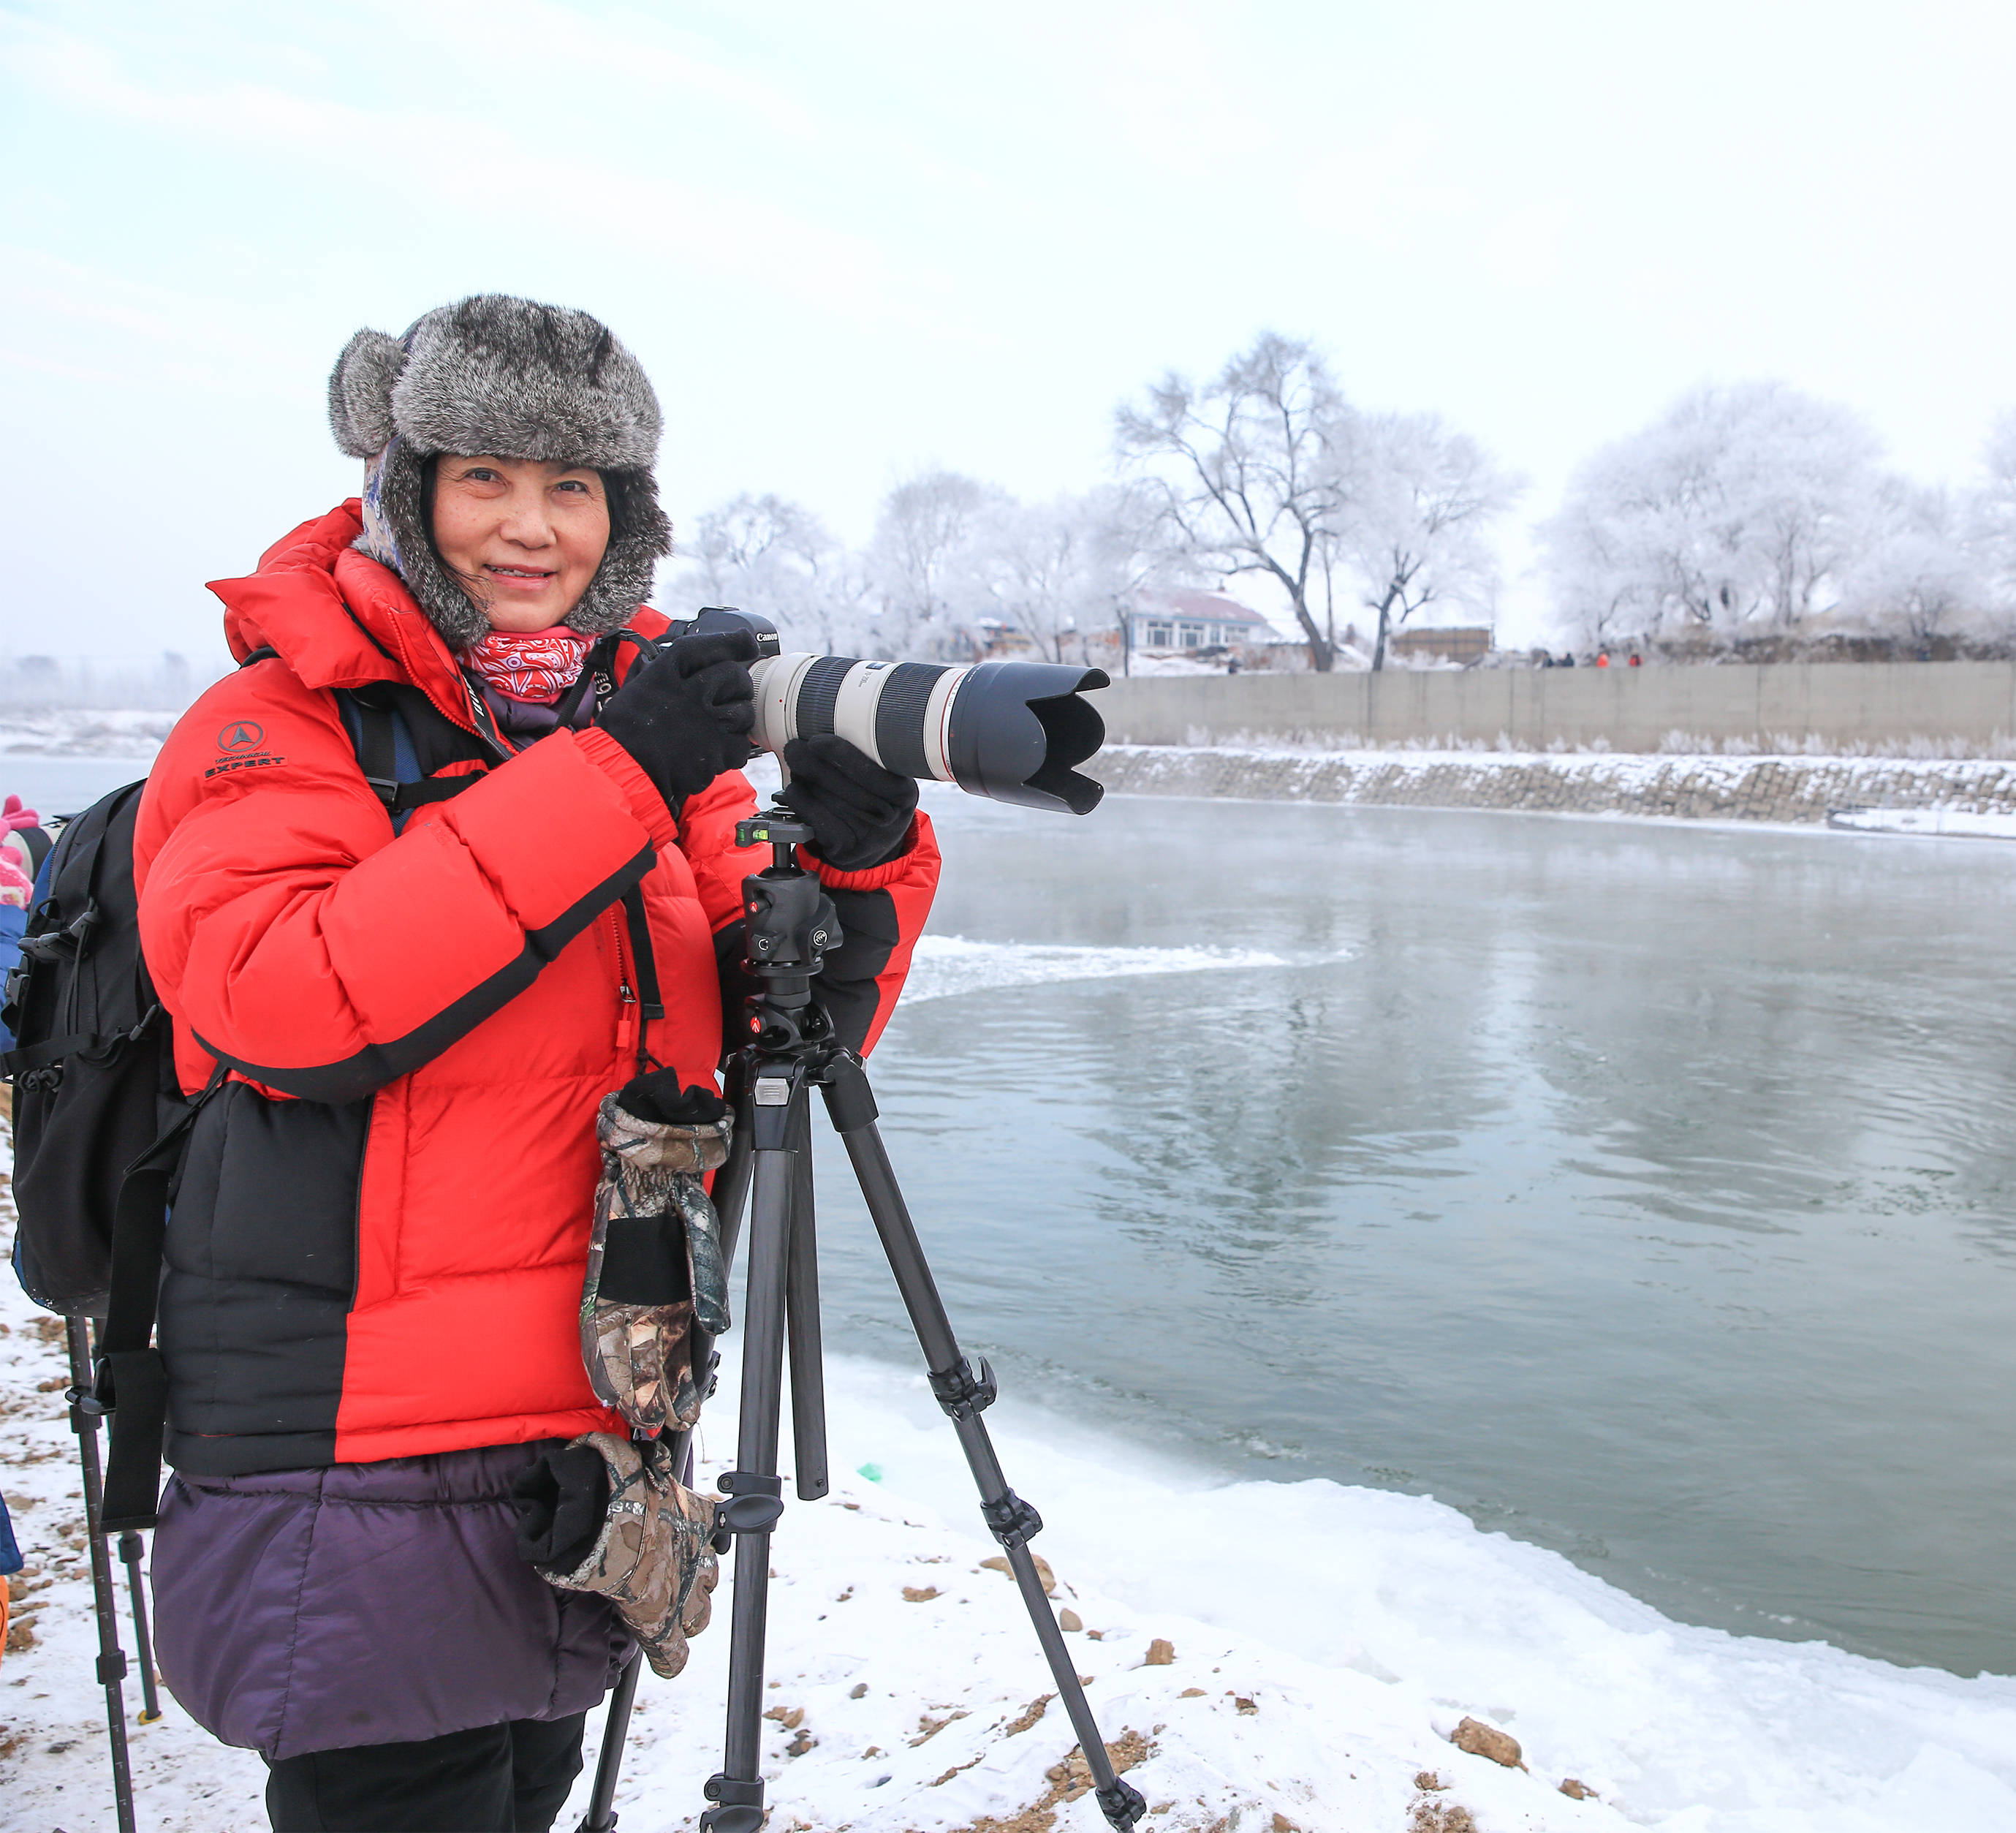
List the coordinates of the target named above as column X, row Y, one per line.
column 1231, row 665
column 21, row 831
column 1603, row 658
column 1567, row 658
column 1634, row 658
column 18, row 862
column 11, row 1562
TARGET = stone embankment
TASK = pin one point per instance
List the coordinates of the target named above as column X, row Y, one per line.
column 1798, row 790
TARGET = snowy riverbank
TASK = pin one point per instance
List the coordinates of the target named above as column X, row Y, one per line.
column 68, row 732
column 1326, row 1641
column 1796, row 791
column 1971, row 798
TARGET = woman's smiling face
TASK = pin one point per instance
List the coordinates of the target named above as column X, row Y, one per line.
column 523, row 537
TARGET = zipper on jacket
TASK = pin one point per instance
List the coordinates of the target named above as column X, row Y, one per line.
column 628, row 1035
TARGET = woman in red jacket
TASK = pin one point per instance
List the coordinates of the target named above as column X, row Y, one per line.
column 370, row 1312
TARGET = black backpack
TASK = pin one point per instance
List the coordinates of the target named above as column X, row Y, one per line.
column 94, row 1087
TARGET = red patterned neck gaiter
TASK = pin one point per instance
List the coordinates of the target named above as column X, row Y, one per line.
column 537, row 665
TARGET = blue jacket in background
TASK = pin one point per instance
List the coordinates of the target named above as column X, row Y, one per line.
column 12, row 922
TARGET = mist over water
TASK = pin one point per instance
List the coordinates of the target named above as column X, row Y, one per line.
column 1643, row 1191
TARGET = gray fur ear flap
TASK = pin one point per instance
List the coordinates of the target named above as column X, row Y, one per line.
column 360, row 393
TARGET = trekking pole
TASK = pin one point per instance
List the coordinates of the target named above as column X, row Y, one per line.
column 85, row 1414
column 129, row 1555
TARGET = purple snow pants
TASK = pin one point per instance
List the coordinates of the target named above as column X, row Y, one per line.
column 367, row 1603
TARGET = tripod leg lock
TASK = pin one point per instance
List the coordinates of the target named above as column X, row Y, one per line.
column 849, row 1103
column 962, row 1394
column 755, row 1505
column 112, row 1667
column 1122, row 1804
column 741, row 1806
column 1012, row 1520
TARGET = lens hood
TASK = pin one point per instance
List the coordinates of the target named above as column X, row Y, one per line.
column 1017, row 730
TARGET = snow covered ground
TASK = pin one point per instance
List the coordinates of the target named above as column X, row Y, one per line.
column 1324, row 1642
column 1968, row 826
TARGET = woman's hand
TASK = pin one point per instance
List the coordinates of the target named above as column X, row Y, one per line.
column 860, row 813
column 686, row 717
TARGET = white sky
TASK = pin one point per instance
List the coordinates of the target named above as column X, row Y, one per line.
column 846, row 240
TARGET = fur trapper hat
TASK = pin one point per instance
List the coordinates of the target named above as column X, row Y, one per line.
column 518, row 380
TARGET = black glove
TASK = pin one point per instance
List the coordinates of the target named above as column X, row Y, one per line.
column 561, row 1503
column 659, row 1097
column 860, row 813
column 686, row 717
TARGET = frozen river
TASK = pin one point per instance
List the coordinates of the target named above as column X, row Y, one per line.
column 1645, row 1191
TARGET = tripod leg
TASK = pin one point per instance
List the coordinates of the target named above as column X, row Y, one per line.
column 130, row 1552
column 753, row 1488
column 802, row 1314
column 111, row 1657
column 601, row 1815
column 963, row 1396
column 731, row 1183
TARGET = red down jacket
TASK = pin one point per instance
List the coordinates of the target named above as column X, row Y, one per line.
column 378, row 1244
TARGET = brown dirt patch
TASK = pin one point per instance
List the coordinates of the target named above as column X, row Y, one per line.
column 1068, row 1780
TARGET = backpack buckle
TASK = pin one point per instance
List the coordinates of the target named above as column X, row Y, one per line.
column 100, row 1397
column 72, row 939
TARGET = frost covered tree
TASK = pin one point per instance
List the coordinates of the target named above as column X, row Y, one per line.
column 1130, row 557
column 1916, row 576
column 920, row 562
column 1739, row 509
column 1414, row 513
column 773, row 557
column 1242, row 470
column 1992, row 518
column 1066, row 572
column 1036, row 564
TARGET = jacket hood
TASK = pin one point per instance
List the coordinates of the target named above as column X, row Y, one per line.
column 337, row 618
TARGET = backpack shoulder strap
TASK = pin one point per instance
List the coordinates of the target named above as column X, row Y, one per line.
column 386, row 753
column 131, row 1380
column 384, row 740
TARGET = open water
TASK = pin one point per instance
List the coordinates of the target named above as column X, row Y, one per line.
column 1645, row 1191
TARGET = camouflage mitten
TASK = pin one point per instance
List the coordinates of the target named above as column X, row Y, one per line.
column 653, row 1558
column 654, row 1260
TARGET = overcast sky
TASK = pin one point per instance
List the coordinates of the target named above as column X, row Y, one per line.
column 849, row 240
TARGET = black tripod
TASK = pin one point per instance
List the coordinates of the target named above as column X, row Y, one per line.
column 789, row 1051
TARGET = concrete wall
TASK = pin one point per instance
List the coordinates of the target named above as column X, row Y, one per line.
column 1950, row 709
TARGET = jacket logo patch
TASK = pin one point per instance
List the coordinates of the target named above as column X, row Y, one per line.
column 253, row 763
column 241, row 735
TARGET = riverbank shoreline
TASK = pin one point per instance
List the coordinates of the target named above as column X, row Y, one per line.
column 1792, row 792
